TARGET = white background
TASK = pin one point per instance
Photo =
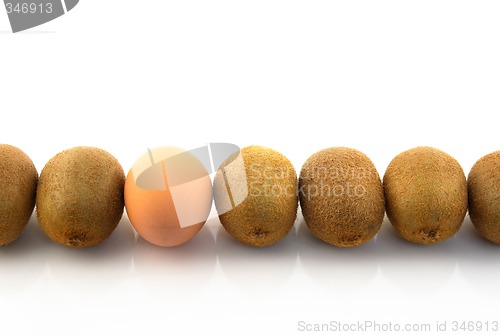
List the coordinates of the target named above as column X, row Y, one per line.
column 296, row 76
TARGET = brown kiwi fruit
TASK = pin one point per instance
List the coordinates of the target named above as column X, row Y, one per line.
column 255, row 192
column 341, row 196
column 484, row 196
column 18, row 183
column 426, row 195
column 80, row 196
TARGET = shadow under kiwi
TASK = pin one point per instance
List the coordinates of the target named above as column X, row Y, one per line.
column 176, row 272
column 336, row 269
column 94, row 269
column 23, row 261
column 257, row 270
column 479, row 260
column 413, row 268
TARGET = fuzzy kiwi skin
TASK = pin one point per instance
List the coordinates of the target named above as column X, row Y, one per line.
column 18, row 183
column 484, row 196
column 264, row 217
column 426, row 195
column 341, row 196
column 80, row 196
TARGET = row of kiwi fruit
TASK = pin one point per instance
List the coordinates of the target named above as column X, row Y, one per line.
column 80, row 198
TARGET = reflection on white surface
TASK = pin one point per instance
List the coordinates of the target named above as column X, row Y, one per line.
column 23, row 261
column 94, row 269
column 214, row 276
column 257, row 270
column 479, row 260
column 337, row 269
column 176, row 272
column 416, row 269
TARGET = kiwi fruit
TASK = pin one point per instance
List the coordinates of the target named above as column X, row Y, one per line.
column 80, row 196
column 483, row 185
column 426, row 195
column 255, row 193
column 18, row 183
column 341, row 196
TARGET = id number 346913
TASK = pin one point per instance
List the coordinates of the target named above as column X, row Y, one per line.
column 29, row 8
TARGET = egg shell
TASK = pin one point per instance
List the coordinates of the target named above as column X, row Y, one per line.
column 168, row 196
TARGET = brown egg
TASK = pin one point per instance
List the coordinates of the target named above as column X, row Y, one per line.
column 168, row 196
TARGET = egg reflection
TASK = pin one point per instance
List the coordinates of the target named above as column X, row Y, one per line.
column 176, row 272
